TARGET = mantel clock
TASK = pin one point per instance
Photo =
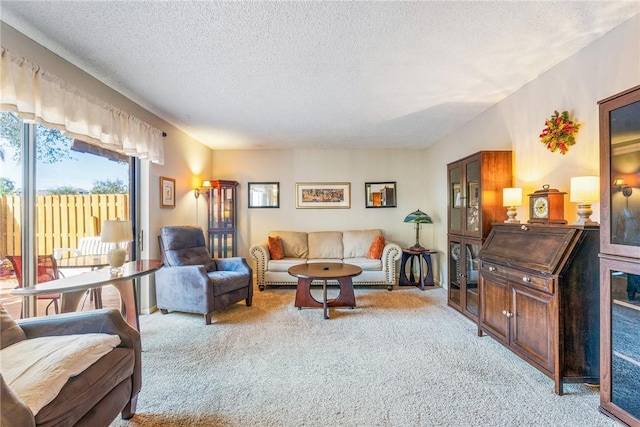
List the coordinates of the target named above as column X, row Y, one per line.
column 546, row 206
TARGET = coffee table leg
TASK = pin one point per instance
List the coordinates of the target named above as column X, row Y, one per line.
column 324, row 299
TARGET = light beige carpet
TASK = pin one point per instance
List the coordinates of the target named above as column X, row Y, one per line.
column 401, row 358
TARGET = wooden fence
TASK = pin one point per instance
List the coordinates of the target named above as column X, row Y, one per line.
column 61, row 220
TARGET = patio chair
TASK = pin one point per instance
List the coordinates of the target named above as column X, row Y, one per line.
column 47, row 270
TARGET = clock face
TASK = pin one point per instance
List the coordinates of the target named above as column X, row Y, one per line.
column 541, row 207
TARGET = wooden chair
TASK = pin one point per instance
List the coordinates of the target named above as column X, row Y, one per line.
column 47, row 270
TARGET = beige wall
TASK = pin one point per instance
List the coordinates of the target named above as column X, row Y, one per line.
column 606, row 67
column 405, row 167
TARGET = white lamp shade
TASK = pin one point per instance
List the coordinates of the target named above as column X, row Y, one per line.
column 585, row 189
column 512, row 197
column 116, row 231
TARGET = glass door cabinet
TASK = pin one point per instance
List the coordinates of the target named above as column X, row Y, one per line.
column 223, row 219
column 475, row 186
column 620, row 256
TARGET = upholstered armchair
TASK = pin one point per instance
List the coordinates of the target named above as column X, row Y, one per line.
column 191, row 281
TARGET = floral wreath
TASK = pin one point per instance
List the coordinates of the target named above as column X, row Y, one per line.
column 559, row 132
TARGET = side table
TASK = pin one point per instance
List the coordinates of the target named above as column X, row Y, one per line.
column 425, row 275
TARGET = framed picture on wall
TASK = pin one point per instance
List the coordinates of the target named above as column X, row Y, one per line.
column 264, row 194
column 313, row 195
column 380, row 194
column 167, row 192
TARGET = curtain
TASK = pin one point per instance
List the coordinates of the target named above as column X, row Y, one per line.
column 37, row 95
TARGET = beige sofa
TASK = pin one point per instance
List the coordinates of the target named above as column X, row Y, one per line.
column 350, row 247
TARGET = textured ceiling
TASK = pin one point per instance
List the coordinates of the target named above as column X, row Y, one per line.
column 315, row 74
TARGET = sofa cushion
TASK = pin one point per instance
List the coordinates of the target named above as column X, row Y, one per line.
column 357, row 242
column 366, row 264
column 318, row 260
column 275, row 248
column 36, row 369
column 294, row 243
column 10, row 331
column 375, row 250
column 284, row 264
column 325, row 244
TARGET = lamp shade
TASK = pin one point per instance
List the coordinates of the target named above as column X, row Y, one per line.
column 512, row 197
column 585, row 189
column 116, row 231
column 418, row 217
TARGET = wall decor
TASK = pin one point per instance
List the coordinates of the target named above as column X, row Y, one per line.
column 311, row 195
column 167, row 192
column 559, row 132
column 380, row 194
column 264, row 195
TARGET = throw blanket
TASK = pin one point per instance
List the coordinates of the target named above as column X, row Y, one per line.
column 36, row 369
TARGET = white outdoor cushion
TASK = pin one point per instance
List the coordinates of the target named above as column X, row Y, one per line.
column 36, row 369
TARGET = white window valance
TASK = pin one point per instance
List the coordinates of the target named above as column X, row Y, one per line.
column 35, row 94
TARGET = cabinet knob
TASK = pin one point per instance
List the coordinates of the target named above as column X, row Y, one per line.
column 492, row 269
column 509, row 314
column 504, row 312
column 526, row 279
column 524, row 227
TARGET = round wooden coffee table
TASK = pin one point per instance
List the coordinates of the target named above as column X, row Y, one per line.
column 307, row 273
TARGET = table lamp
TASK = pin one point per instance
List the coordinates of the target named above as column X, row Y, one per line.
column 511, row 198
column 120, row 233
column 584, row 191
column 418, row 217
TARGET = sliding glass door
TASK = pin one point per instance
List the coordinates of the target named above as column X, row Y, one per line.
column 54, row 192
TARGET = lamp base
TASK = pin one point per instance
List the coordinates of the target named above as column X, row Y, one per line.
column 418, row 248
column 511, row 215
column 116, row 258
column 584, row 212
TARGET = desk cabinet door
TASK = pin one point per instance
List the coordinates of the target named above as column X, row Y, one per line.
column 495, row 307
column 533, row 325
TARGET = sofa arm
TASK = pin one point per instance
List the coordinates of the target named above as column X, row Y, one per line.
column 13, row 412
column 238, row 264
column 105, row 321
column 390, row 254
column 260, row 254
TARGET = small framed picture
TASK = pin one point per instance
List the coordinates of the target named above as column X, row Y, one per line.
column 264, row 195
column 456, row 197
column 380, row 194
column 313, row 195
column 167, row 192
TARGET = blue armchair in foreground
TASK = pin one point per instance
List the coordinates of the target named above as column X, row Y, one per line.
column 193, row 282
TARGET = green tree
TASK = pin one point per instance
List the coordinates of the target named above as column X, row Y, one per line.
column 108, row 186
column 64, row 190
column 52, row 146
column 7, row 187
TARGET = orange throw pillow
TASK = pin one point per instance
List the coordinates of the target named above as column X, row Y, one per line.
column 275, row 248
column 375, row 250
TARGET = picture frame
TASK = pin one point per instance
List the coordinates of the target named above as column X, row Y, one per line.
column 456, row 196
column 380, row 194
column 323, row 195
column 264, row 194
column 167, row 192
column 474, row 193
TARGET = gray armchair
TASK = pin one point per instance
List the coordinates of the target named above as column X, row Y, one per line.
column 95, row 396
column 191, row 281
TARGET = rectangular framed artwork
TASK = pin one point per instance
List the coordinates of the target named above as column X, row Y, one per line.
column 264, row 194
column 314, row 195
column 380, row 194
column 167, row 192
